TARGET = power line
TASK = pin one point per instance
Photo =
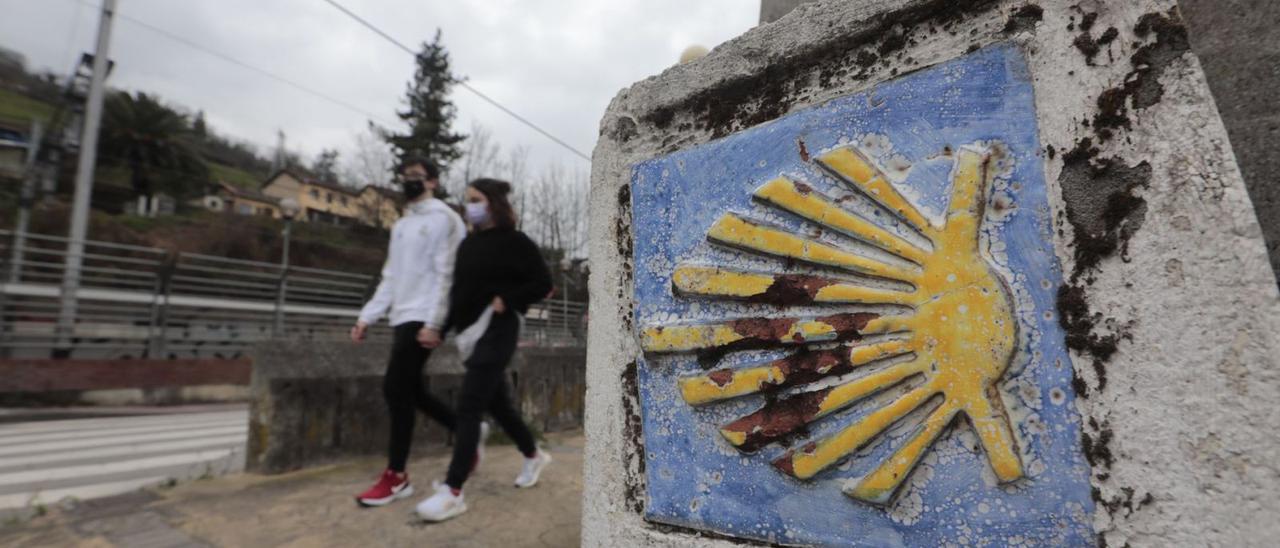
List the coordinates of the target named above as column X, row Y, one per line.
column 234, row 61
column 462, row 83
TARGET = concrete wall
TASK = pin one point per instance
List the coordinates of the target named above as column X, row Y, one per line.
column 316, row 402
column 1238, row 43
column 1169, row 307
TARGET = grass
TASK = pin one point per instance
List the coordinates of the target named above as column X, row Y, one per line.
column 234, row 176
column 20, row 109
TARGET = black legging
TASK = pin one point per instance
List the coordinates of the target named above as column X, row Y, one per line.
column 406, row 391
column 484, row 388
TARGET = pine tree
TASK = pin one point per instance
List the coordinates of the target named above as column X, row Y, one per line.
column 430, row 113
column 199, row 127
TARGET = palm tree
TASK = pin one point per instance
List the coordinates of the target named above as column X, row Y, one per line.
column 155, row 143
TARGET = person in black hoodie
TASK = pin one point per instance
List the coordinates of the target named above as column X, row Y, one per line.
column 498, row 268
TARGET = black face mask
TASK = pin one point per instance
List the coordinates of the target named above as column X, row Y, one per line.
column 413, row 188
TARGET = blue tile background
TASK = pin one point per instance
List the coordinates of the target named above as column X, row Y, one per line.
column 695, row 479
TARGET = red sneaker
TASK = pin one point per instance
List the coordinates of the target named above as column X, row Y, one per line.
column 390, row 487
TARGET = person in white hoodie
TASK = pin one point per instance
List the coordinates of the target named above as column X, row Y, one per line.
column 414, row 296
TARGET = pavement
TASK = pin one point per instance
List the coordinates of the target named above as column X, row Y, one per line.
column 315, row 507
column 48, row 455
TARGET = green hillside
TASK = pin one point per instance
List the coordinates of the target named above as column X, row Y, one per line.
column 233, row 176
column 19, row 109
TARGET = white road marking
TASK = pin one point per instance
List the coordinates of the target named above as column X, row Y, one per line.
column 106, row 468
column 117, row 431
column 109, row 441
column 37, row 460
column 96, row 423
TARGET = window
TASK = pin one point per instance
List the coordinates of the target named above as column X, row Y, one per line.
column 343, row 199
column 315, row 194
column 244, row 209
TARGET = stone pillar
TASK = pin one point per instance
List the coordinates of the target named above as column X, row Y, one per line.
column 773, row 10
column 1238, row 43
column 896, row 272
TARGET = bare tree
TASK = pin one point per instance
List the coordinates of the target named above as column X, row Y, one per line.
column 551, row 205
column 517, row 171
column 371, row 162
column 480, row 158
column 554, row 210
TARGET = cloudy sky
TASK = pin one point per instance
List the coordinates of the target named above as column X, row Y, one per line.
column 557, row 63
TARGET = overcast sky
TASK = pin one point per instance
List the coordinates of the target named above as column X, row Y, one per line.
column 558, row 63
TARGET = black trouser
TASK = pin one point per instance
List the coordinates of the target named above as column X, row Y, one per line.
column 484, row 388
column 406, row 391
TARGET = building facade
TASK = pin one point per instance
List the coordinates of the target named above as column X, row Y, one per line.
column 318, row 201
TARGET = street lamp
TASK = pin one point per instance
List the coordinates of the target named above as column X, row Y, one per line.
column 289, row 209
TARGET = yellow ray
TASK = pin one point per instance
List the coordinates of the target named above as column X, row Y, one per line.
column 802, row 200
column 846, row 394
column 814, row 457
column 724, row 384
column 992, row 425
column 878, row 486
column 889, row 324
column 737, row 232
column 755, row 331
column 968, row 199
column 785, row 416
column 848, row 164
column 794, row 289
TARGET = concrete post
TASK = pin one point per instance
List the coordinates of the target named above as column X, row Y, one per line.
column 84, row 183
column 908, row 272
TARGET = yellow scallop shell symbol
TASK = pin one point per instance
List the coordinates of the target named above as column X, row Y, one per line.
column 951, row 345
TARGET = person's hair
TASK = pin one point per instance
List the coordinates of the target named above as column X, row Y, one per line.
column 496, row 192
column 433, row 172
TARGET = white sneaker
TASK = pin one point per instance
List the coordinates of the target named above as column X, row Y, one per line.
column 532, row 469
column 442, row 505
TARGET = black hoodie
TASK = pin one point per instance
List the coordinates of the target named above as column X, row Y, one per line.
column 500, row 262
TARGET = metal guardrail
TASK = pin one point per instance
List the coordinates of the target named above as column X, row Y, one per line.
column 138, row 302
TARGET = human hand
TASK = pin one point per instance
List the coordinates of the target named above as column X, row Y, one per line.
column 428, row 337
column 358, row 332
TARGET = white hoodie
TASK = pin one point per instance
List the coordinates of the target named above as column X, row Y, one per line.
column 419, row 268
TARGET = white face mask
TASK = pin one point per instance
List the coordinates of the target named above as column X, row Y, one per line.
column 477, row 213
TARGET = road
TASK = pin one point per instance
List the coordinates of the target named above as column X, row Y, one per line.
column 47, row 456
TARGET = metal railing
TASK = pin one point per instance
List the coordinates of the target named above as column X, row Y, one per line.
column 142, row 302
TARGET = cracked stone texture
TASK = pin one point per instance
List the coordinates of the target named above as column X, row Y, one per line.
column 1186, row 416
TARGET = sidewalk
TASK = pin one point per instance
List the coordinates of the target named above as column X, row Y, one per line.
column 315, row 508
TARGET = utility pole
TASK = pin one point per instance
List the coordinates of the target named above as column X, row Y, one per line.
column 279, row 162
column 25, row 199
column 289, row 209
column 84, row 184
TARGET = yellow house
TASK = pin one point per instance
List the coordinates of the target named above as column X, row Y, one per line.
column 319, row 201
column 241, row 201
column 379, row 206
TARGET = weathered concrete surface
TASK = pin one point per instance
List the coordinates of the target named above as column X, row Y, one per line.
column 1238, row 43
column 1171, row 310
column 772, row 10
column 315, row 508
column 313, row 402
